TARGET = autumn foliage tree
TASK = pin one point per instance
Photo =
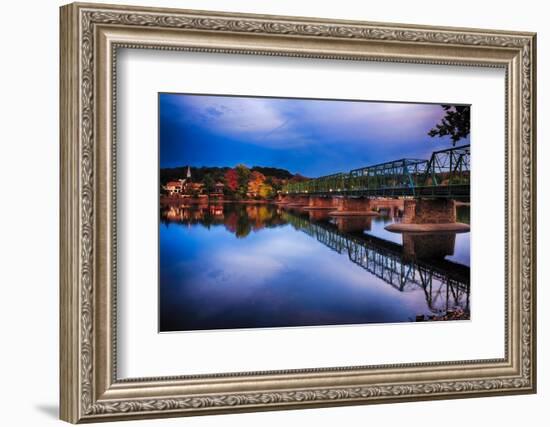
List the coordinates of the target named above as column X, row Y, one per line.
column 241, row 182
column 255, row 183
column 231, row 180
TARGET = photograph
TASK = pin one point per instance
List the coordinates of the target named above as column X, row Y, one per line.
column 292, row 212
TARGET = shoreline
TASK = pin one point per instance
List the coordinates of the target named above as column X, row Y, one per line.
column 206, row 201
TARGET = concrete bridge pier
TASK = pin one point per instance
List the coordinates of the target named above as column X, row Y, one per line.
column 353, row 206
column 320, row 202
column 282, row 199
column 394, row 207
column 297, row 201
column 388, row 203
column 425, row 211
column 429, row 215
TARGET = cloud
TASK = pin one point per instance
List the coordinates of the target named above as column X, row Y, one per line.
column 286, row 123
column 232, row 115
column 312, row 137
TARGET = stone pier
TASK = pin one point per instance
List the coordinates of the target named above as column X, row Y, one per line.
column 348, row 206
column 390, row 204
column 319, row 202
column 282, row 199
column 297, row 201
column 429, row 215
column 394, row 207
column 424, row 211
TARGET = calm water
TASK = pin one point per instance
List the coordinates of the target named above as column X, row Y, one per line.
column 250, row 266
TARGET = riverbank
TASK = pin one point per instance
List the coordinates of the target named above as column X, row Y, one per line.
column 205, row 201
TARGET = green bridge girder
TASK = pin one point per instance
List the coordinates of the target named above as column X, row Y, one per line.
column 445, row 175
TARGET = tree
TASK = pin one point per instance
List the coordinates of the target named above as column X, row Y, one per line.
column 455, row 123
column 274, row 172
column 231, row 180
column 209, row 183
column 266, row 191
column 243, row 173
column 275, row 184
column 255, row 182
column 298, row 178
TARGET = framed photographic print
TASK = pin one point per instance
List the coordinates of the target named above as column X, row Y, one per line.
column 265, row 212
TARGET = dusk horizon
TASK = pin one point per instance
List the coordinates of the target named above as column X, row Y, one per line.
column 304, row 136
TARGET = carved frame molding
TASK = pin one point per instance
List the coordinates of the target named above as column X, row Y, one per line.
column 90, row 37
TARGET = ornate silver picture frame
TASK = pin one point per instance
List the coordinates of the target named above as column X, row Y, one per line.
column 91, row 35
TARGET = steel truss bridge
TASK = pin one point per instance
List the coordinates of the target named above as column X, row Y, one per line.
column 446, row 284
column 445, row 175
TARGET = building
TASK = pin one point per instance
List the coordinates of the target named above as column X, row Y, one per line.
column 187, row 188
column 174, row 188
column 218, row 188
column 182, row 187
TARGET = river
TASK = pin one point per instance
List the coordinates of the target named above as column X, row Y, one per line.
column 243, row 265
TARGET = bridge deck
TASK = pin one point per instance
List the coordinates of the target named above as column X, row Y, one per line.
column 455, row 191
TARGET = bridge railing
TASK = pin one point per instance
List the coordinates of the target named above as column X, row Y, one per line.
column 403, row 173
column 445, row 168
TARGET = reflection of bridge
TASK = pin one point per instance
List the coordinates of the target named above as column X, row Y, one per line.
column 445, row 175
column 446, row 284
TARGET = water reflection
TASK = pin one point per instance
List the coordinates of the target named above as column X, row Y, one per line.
column 260, row 265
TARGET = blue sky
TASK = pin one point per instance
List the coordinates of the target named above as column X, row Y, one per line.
column 310, row 137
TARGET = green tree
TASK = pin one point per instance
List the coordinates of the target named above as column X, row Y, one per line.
column 209, row 183
column 266, row 191
column 455, row 123
column 243, row 173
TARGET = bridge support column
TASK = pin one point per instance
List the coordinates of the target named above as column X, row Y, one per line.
column 389, row 204
column 319, row 202
column 281, row 198
column 392, row 206
column 425, row 211
column 429, row 216
column 346, row 204
column 298, row 201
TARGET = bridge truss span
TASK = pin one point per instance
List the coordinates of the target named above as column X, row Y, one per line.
column 445, row 175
